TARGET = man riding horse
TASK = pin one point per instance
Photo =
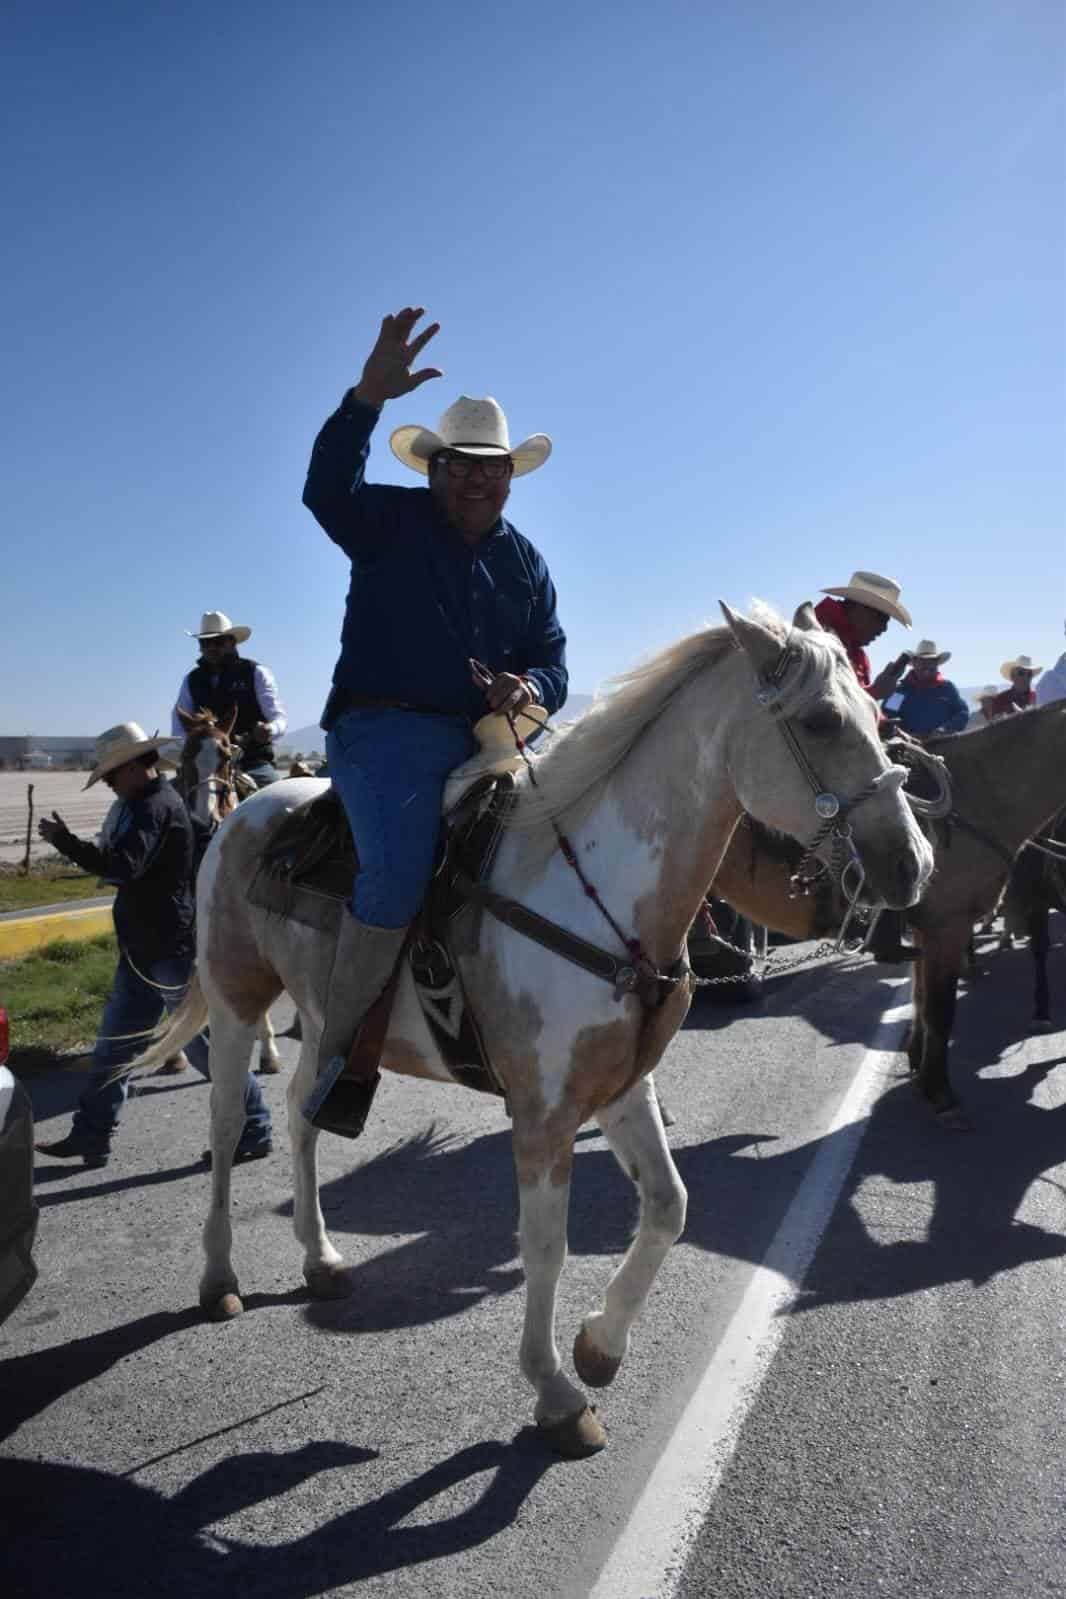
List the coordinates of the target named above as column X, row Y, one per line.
column 224, row 682
column 859, row 612
column 448, row 606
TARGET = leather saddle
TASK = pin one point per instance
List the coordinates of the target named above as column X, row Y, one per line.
column 306, row 870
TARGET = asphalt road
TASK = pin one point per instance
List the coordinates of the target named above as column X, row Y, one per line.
column 904, row 1434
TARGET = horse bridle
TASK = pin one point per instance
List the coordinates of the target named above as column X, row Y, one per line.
column 833, row 811
column 221, row 783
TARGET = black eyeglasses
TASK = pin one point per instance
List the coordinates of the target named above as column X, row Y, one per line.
column 492, row 467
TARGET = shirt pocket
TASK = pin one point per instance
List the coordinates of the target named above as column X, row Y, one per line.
column 514, row 616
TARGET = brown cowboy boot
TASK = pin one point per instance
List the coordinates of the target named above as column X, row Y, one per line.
column 362, row 965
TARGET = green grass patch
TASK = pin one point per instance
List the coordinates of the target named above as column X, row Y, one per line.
column 54, row 997
column 47, row 883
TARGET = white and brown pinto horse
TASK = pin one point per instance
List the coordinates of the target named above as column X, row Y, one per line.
column 649, row 786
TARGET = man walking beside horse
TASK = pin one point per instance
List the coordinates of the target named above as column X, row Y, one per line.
column 450, row 612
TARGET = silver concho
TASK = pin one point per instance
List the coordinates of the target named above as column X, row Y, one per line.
column 826, row 806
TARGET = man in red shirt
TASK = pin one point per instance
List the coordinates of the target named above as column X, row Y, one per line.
column 858, row 612
column 1020, row 673
column 860, row 615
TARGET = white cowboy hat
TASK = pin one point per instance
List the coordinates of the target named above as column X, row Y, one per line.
column 879, row 593
column 214, row 623
column 470, row 427
column 927, row 651
column 1023, row 663
column 121, row 744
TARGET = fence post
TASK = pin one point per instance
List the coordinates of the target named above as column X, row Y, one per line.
column 29, row 829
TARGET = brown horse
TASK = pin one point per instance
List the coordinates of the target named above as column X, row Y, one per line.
column 1037, row 886
column 1007, row 783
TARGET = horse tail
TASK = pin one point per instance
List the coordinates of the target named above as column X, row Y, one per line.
column 186, row 1022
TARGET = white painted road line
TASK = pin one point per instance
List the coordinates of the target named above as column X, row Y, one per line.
column 648, row 1561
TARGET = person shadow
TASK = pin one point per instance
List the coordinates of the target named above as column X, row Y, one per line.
column 137, row 1541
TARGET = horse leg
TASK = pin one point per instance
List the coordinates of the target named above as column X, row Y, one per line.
column 324, row 1270
column 231, row 1043
column 1039, row 944
column 543, row 1164
column 633, row 1128
column 941, row 962
column 269, row 1059
column 916, row 1034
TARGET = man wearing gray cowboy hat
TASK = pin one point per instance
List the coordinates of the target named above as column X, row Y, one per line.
column 928, row 702
column 222, row 681
column 450, row 612
column 146, row 851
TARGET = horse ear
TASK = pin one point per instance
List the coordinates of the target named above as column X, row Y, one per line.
column 762, row 647
column 231, row 724
column 805, row 620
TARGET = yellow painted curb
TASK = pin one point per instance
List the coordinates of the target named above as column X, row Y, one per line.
column 33, row 932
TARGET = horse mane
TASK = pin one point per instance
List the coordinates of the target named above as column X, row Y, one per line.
column 570, row 774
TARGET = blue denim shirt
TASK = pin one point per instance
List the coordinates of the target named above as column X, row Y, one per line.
column 421, row 602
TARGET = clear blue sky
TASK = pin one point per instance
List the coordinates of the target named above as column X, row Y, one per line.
column 784, row 282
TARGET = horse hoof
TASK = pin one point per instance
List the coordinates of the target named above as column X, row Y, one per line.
column 592, row 1365
column 268, row 1067
column 223, row 1307
column 328, row 1282
column 172, row 1067
column 576, row 1436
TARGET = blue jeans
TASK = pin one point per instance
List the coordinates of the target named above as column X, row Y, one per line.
column 389, row 768
column 133, row 1006
column 262, row 773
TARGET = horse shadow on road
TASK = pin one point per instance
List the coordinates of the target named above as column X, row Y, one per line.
column 137, row 1541
column 958, row 1200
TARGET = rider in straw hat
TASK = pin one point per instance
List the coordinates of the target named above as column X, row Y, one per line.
column 929, row 702
column 450, row 613
column 1019, row 672
column 859, row 612
column 146, row 851
column 223, row 681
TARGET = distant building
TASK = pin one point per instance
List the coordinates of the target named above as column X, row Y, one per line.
column 29, row 753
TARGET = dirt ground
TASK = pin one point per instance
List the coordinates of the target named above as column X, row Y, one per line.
column 82, row 810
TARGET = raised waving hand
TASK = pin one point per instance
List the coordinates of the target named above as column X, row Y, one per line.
column 387, row 373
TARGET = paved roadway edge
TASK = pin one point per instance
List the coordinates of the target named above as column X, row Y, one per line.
column 648, row 1561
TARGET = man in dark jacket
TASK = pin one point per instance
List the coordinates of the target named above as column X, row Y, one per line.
column 450, row 613
column 224, row 681
column 147, row 853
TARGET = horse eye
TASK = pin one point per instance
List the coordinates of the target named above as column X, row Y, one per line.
column 823, row 724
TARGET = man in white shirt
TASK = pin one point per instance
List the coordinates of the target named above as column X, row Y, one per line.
column 1052, row 686
column 222, row 681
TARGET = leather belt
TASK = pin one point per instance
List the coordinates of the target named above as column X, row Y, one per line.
column 370, row 702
